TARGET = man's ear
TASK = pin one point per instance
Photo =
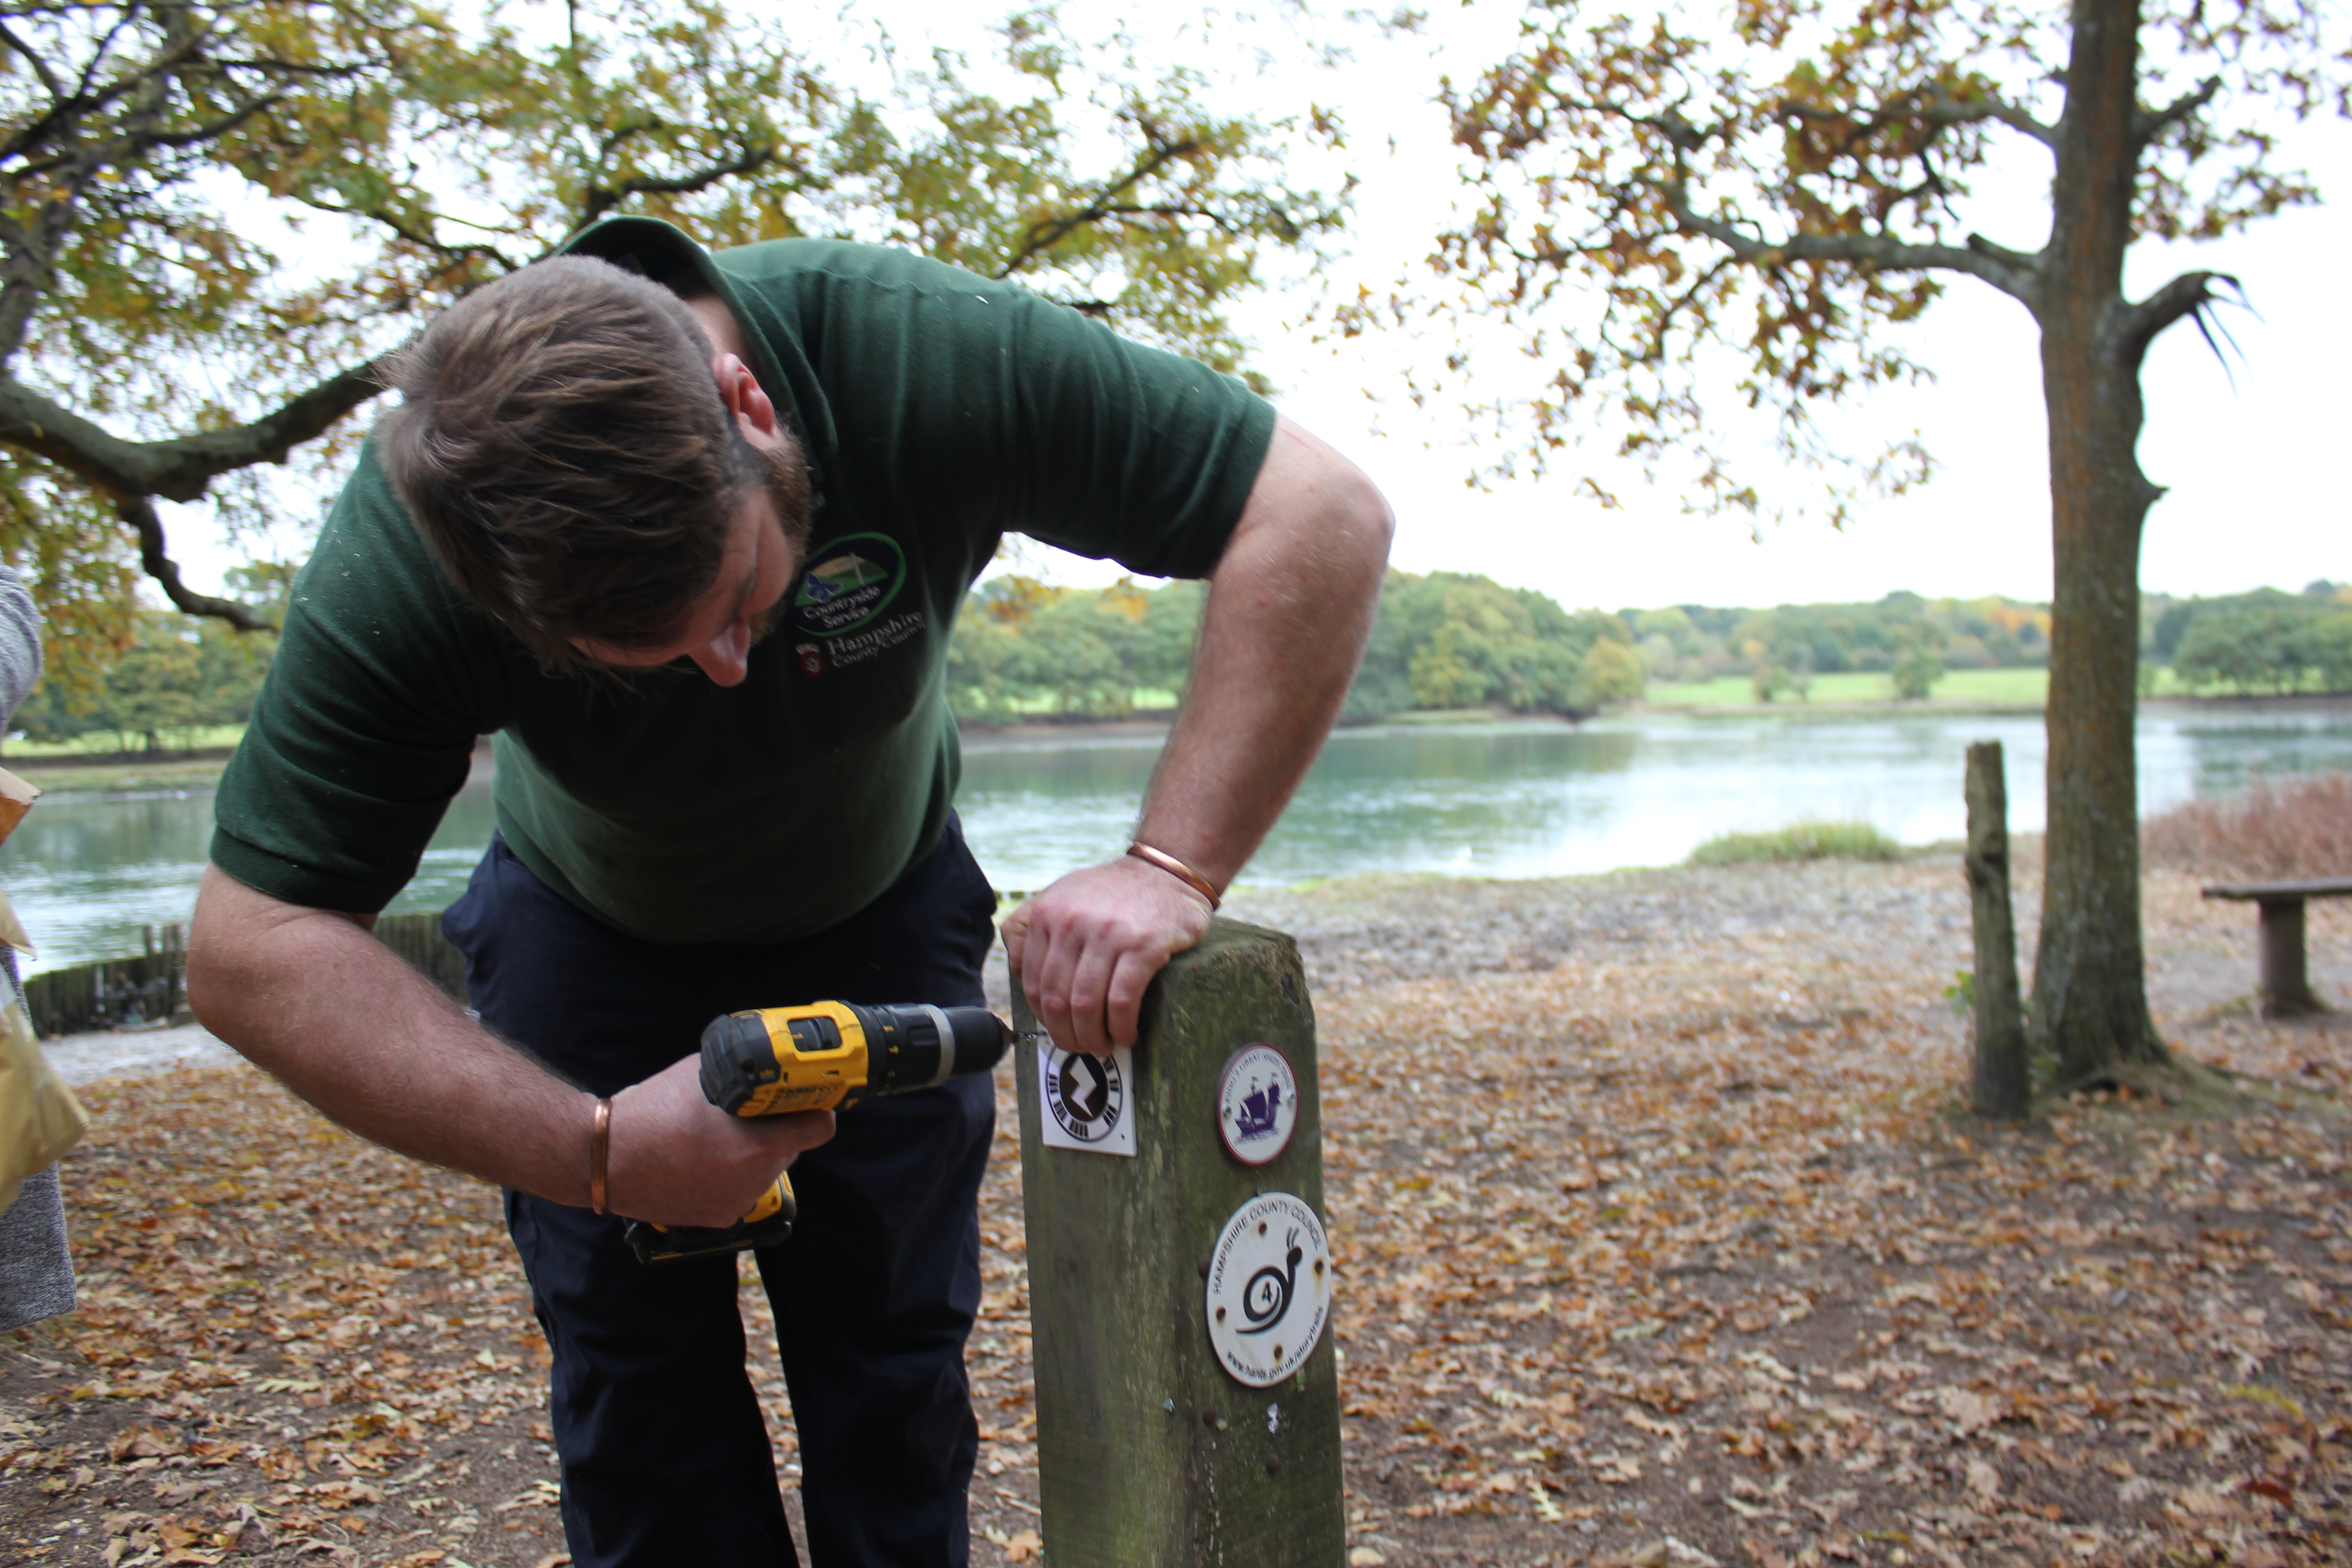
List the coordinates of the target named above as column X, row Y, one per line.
column 740, row 392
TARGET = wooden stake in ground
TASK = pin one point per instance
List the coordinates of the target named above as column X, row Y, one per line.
column 1150, row 1452
column 2001, row 1092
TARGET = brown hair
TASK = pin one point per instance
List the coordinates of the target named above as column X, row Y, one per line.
column 562, row 448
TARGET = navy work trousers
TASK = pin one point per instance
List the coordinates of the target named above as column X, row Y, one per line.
column 666, row 1461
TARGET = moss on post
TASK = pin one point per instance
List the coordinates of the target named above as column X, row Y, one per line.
column 1149, row 1453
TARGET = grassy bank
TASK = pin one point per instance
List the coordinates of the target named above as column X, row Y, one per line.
column 1798, row 841
column 107, row 747
column 1961, row 688
column 71, row 774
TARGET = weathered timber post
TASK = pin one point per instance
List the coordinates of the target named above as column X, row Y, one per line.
column 2286, row 984
column 2001, row 1090
column 1151, row 1453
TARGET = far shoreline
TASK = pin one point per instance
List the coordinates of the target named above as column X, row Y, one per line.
column 74, row 773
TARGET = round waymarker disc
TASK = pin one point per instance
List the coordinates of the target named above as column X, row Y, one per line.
column 1269, row 1290
column 1257, row 1104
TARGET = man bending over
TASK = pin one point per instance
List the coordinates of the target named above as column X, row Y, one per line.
column 687, row 532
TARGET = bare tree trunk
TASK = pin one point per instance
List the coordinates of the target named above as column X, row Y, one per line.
column 2090, row 997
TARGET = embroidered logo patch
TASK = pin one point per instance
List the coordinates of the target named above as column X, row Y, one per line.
column 849, row 582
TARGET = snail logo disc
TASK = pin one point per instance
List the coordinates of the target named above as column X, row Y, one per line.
column 1269, row 1290
column 1257, row 1104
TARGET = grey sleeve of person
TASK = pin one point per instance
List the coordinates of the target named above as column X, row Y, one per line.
column 37, row 1278
column 20, row 644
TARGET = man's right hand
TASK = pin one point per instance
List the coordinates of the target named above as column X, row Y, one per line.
column 310, row 996
column 676, row 1158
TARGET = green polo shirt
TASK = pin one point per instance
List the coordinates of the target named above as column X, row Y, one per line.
column 939, row 411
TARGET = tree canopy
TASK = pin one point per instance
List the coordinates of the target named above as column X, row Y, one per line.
column 1026, row 649
column 1452, row 640
column 1774, row 189
column 2262, row 642
column 214, row 215
column 1760, row 198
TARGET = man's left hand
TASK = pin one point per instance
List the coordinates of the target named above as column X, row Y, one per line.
column 1085, row 949
column 1289, row 607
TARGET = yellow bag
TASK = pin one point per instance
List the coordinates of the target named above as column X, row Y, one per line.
column 39, row 1117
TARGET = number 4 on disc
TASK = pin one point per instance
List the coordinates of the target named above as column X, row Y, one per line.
column 1269, row 1291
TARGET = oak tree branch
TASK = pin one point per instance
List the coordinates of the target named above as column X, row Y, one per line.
column 182, row 467
column 602, row 199
column 1046, row 232
column 2150, row 124
column 1882, row 253
column 139, row 512
column 1934, row 107
column 2137, row 325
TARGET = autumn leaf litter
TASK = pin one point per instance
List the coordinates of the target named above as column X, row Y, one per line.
column 1662, row 1240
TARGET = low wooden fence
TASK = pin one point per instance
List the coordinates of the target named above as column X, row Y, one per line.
column 106, row 995
column 150, row 987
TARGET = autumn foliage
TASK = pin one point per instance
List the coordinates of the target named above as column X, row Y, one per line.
column 1661, row 1239
column 214, row 218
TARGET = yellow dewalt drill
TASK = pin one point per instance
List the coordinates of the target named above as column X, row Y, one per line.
column 825, row 1056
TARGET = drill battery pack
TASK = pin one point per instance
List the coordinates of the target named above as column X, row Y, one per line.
column 769, row 1224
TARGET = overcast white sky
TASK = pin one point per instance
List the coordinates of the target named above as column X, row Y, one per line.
column 2251, row 466
column 2254, row 493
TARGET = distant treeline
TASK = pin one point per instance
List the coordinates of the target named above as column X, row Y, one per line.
column 1027, row 650
column 1909, row 638
column 2262, row 642
column 1449, row 640
column 180, row 674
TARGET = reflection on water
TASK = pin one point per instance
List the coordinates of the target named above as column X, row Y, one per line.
column 1521, row 800
column 87, row 871
column 1499, row 799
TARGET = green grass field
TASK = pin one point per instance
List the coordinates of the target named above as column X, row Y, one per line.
column 106, row 743
column 2000, row 687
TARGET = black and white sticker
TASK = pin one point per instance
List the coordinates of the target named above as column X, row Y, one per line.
column 1087, row 1099
column 1269, row 1288
column 1257, row 1104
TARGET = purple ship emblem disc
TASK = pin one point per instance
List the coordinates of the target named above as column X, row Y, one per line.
column 1257, row 1104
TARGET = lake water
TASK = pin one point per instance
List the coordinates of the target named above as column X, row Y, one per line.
column 1483, row 799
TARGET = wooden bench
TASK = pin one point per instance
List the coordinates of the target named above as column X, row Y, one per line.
column 2287, row 992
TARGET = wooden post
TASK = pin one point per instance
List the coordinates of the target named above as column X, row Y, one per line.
column 2001, row 1090
column 1150, row 1453
column 2286, row 984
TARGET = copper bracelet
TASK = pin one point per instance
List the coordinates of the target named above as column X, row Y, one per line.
column 600, row 1149
column 1178, row 869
